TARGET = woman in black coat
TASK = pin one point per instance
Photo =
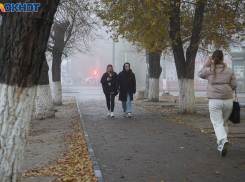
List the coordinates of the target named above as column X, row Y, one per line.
column 108, row 81
column 126, row 86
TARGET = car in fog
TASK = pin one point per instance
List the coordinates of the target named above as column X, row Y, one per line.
column 90, row 81
column 67, row 82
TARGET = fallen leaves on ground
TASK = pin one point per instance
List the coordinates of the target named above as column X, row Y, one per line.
column 74, row 165
column 172, row 112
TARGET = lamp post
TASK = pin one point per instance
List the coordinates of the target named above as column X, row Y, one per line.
column 67, row 56
column 114, row 49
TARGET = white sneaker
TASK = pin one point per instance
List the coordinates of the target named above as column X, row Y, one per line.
column 112, row 114
column 129, row 114
column 124, row 114
column 109, row 112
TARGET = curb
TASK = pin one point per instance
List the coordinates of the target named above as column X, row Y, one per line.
column 96, row 167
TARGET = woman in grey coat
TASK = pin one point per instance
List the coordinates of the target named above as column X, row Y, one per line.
column 221, row 83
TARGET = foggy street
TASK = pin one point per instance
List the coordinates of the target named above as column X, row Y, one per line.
column 122, row 91
column 148, row 147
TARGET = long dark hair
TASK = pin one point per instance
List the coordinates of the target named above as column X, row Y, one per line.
column 109, row 65
column 217, row 59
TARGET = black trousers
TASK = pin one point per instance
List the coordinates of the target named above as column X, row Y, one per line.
column 110, row 101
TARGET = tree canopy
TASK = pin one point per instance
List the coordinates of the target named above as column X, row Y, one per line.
column 148, row 22
column 78, row 26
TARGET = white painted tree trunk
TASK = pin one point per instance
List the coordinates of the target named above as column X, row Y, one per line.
column 153, row 95
column 187, row 102
column 16, row 112
column 57, row 93
column 44, row 104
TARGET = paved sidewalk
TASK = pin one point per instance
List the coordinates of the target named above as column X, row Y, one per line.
column 168, row 108
column 148, row 148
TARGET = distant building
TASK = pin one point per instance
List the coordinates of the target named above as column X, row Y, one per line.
column 238, row 65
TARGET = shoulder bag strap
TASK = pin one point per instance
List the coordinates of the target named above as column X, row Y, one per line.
column 236, row 99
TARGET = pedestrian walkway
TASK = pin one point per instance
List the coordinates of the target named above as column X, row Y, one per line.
column 149, row 148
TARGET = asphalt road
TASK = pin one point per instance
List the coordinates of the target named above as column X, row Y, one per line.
column 149, row 148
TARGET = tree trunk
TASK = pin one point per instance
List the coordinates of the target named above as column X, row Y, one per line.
column 57, row 93
column 186, row 96
column 164, row 79
column 154, row 74
column 153, row 95
column 147, row 85
column 59, row 45
column 56, row 77
column 186, row 68
column 44, row 104
column 23, row 42
column 147, row 74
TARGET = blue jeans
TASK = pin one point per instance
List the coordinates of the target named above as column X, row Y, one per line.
column 126, row 105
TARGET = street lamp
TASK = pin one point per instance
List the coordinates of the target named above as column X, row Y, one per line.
column 67, row 56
